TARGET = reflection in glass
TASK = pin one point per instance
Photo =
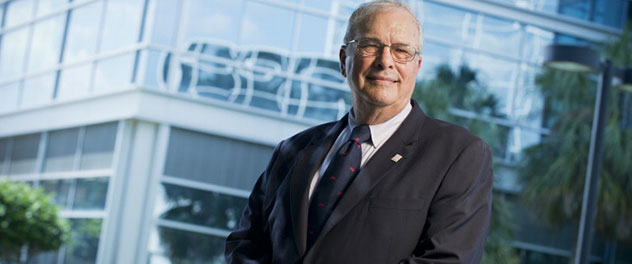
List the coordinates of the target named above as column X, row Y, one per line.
column 24, row 154
column 205, row 208
column 81, row 38
column 85, row 241
column 38, row 90
column 156, row 69
column 60, row 150
column 500, row 36
column 193, row 155
column 98, row 146
column 46, row 43
column 312, row 34
column 318, row 4
column 535, row 40
column 12, row 52
column 9, row 96
column 163, row 28
column 114, row 73
column 18, row 12
column 90, row 193
column 258, row 29
column 74, row 81
column 122, row 24
column 446, row 23
column 223, row 15
column 48, row 6
column 499, row 76
column 58, row 189
column 181, row 246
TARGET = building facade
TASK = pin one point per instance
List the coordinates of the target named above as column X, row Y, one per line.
column 148, row 121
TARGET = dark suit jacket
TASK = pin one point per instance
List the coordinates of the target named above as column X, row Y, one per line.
column 432, row 206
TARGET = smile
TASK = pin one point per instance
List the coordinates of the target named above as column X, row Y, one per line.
column 382, row 79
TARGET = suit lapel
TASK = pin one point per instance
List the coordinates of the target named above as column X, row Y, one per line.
column 401, row 142
column 307, row 162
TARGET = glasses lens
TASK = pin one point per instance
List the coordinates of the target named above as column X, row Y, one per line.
column 368, row 47
column 402, row 52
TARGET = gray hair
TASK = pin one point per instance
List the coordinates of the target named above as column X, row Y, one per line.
column 367, row 9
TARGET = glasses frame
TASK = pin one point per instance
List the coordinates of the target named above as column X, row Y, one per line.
column 382, row 45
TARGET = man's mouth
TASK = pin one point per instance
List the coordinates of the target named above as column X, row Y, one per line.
column 381, row 78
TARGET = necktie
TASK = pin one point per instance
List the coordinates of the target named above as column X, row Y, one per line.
column 343, row 167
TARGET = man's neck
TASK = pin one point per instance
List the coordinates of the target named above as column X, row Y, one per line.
column 373, row 115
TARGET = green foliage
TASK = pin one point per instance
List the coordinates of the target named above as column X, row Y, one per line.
column 462, row 90
column 553, row 171
column 28, row 217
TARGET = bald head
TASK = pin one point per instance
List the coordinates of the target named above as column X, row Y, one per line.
column 364, row 14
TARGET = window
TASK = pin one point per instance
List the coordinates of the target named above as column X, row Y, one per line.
column 61, row 149
column 12, row 52
column 98, row 146
column 18, row 12
column 9, row 96
column 46, row 44
column 81, row 38
column 38, row 90
column 114, row 73
column 258, row 29
column 74, row 81
column 212, row 159
column 313, row 34
column 225, row 16
column 24, row 154
column 122, row 24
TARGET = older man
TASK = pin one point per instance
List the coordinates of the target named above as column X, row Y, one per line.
column 386, row 183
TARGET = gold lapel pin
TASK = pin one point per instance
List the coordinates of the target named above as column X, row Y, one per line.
column 396, row 158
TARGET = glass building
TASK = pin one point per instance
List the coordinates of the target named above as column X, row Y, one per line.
column 148, row 121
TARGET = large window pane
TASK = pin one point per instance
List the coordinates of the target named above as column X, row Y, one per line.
column 225, row 16
column 12, row 53
column 81, row 39
column 85, row 241
column 24, row 154
column 74, row 81
column 179, row 246
column 165, row 23
column 114, row 73
column 46, row 43
column 9, row 96
column 258, row 29
column 58, row 189
column 18, row 11
column 90, row 193
column 199, row 207
column 48, row 6
column 98, row 146
column 500, row 36
column 207, row 158
column 61, row 149
column 313, row 34
column 38, row 90
column 446, row 23
column 122, row 24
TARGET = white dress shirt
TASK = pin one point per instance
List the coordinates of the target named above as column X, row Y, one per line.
column 379, row 134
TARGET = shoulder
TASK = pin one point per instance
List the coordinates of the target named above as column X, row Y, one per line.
column 301, row 139
column 451, row 138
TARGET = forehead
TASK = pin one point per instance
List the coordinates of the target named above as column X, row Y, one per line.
column 391, row 22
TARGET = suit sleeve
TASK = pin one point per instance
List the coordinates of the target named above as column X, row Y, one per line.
column 458, row 218
column 249, row 242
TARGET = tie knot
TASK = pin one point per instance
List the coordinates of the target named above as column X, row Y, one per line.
column 360, row 133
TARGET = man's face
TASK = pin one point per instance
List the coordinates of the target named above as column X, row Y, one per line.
column 379, row 81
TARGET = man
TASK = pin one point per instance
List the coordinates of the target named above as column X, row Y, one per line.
column 385, row 184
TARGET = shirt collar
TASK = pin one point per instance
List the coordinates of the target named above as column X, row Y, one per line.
column 382, row 131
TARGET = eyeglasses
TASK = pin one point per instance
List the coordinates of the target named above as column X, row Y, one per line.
column 371, row 47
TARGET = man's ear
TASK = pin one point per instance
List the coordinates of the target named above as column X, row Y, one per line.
column 343, row 63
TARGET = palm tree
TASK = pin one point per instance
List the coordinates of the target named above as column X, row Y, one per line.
column 552, row 171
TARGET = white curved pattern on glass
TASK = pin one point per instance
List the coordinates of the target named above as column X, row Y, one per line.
column 305, row 87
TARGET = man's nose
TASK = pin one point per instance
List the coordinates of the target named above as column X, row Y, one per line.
column 384, row 58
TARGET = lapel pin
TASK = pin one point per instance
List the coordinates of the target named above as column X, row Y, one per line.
column 396, row 158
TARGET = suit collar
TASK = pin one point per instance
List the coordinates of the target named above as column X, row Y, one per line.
column 307, row 162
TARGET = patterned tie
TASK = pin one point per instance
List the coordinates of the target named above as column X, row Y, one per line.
column 344, row 166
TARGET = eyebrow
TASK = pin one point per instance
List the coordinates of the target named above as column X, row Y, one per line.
column 380, row 41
